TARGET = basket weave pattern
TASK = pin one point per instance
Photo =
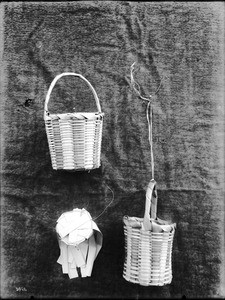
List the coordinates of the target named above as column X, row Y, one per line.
column 74, row 139
column 148, row 254
column 147, row 257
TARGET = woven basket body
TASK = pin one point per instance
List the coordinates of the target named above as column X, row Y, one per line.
column 74, row 139
column 148, row 254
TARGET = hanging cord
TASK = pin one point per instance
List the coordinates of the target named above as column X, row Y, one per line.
column 136, row 86
column 149, row 111
column 106, row 205
column 93, row 219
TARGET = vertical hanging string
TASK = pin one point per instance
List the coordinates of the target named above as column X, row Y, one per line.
column 149, row 114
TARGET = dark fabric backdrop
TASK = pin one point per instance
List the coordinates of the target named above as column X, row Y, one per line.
column 180, row 42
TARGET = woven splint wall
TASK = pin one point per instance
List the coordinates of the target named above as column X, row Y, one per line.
column 181, row 42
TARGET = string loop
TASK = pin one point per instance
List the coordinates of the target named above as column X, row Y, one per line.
column 149, row 112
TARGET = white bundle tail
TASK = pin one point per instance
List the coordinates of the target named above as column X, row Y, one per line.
column 80, row 241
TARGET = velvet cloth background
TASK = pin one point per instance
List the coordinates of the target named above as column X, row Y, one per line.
column 181, row 43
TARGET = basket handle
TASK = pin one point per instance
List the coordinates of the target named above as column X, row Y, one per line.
column 68, row 74
column 150, row 204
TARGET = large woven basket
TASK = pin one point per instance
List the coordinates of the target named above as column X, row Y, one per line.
column 148, row 245
column 75, row 138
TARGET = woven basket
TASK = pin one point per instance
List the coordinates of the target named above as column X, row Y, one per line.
column 148, row 245
column 74, row 139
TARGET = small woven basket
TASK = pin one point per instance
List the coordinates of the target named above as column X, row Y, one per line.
column 148, row 245
column 74, row 139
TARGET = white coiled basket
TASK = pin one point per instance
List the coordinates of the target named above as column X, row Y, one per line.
column 75, row 138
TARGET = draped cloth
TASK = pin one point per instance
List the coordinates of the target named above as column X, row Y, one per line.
column 181, row 45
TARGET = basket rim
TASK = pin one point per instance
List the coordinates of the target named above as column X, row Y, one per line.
column 76, row 115
column 147, row 232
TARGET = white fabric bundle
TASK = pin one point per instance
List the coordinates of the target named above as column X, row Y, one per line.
column 80, row 241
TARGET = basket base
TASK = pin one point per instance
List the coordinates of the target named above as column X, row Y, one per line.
column 135, row 281
column 76, row 170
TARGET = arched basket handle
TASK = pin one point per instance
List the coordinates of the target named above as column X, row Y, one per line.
column 68, row 74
